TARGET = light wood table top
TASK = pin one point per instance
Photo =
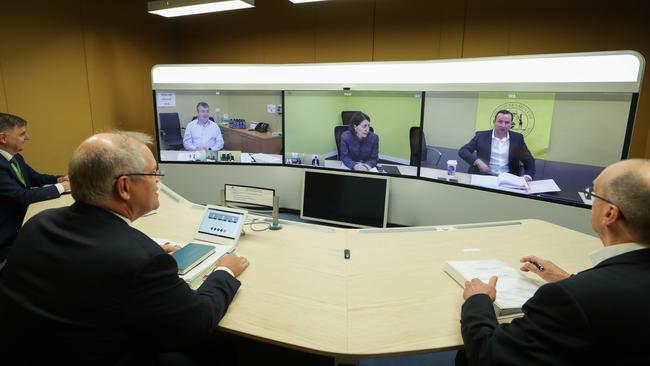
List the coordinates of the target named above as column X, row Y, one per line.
column 391, row 297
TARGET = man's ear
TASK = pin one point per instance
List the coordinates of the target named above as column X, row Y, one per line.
column 123, row 187
column 612, row 214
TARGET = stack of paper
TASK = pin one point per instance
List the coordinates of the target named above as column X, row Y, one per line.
column 513, row 288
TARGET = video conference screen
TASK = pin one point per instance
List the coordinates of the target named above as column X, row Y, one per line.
column 363, row 131
column 548, row 145
column 554, row 145
column 219, row 126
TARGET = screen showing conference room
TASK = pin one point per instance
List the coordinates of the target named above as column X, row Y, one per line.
column 318, row 131
column 572, row 136
column 225, row 126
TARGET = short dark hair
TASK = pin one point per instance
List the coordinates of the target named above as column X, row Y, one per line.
column 357, row 118
column 202, row 104
column 504, row 111
column 9, row 122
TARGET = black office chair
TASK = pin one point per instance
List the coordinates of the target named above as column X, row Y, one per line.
column 338, row 131
column 419, row 148
column 170, row 131
column 195, row 117
column 346, row 115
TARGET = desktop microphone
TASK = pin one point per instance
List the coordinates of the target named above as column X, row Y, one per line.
column 222, row 197
column 276, row 207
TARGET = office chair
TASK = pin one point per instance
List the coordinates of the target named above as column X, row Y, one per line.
column 419, row 148
column 195, row 117
column 338, row 131
column 346, row 115
column 170, row 131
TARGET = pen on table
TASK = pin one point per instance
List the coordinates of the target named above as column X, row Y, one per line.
column 539, row 266
column 252, row 158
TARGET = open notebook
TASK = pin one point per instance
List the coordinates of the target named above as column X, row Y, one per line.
column 513, row 288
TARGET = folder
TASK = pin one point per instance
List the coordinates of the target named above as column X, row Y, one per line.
column 191, row 255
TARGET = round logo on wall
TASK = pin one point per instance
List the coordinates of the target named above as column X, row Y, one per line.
column 523, row 118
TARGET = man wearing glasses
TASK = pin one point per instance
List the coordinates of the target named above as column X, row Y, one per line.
column 83, row 287
column 597, row 317
column 20, row 185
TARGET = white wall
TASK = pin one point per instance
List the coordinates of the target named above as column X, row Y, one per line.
column 412, row 202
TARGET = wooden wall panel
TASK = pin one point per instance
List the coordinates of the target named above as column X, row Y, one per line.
column 45, row 77
column 3, row 96
column 120, row 52
column 407, row 30
column 344, row 31
column 487, row 28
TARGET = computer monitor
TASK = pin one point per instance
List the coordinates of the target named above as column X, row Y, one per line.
column 345, row 198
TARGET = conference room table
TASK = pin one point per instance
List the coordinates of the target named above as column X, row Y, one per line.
column 391, row 297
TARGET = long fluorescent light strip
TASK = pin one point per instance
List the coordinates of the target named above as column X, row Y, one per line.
column 202, row 8
column 304, row 1
column 604, row 68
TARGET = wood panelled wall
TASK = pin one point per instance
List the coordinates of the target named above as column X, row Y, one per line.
column 74, row 67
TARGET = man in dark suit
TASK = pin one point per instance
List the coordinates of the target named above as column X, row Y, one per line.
column 83, row 287
column 20, row 185
column 499, row 150
column 597, row 317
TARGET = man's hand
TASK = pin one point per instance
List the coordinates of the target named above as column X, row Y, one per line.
column 361, row 167
column 476, row 286
column 62, row 179
column 234, row 263
column 66, row 185
column 550, row 273
column 170, row 248
column 482, row 167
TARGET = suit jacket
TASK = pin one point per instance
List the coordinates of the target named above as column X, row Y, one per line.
column 480, row 147
column 83, row 287
column 15, row 198
column 597, row 317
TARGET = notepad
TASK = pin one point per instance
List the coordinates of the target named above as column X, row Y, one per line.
column 513, row 288
column 191, row 255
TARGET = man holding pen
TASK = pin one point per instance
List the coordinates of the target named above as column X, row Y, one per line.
column 599, row 316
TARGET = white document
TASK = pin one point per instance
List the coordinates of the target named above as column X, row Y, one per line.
column 507, row 180
column 541, row 186
column 513, row 288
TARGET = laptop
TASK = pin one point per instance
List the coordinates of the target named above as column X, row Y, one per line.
column 221, row 225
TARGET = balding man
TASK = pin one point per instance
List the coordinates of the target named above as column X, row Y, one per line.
column 83, row 287
column 597, row 317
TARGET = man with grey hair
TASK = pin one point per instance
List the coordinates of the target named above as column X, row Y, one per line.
column 83, row 287
column 597, row 317
column 20, row 185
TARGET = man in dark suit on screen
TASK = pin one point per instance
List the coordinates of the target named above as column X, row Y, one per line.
column 20, row 185
column 597, row 317
column 83, row 287
column 499, row 150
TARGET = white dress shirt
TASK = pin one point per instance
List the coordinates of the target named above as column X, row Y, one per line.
column 207, row 135
column 613, row 250
column 499, row 155
column 8, row 156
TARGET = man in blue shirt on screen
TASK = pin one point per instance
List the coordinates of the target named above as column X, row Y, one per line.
column 597, row 317
column 499, row 150
column 202, row 133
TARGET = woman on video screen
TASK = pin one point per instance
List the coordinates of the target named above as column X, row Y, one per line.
column 359, row 145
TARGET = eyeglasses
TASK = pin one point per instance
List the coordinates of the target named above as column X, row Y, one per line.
column 589, row 193
column 157, row 173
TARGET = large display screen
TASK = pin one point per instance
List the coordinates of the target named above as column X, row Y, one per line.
column 225, row 126
column 558, row 142
column 351, row 200
column 365, row 131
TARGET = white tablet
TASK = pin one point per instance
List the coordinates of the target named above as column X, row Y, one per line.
column 221, row 225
